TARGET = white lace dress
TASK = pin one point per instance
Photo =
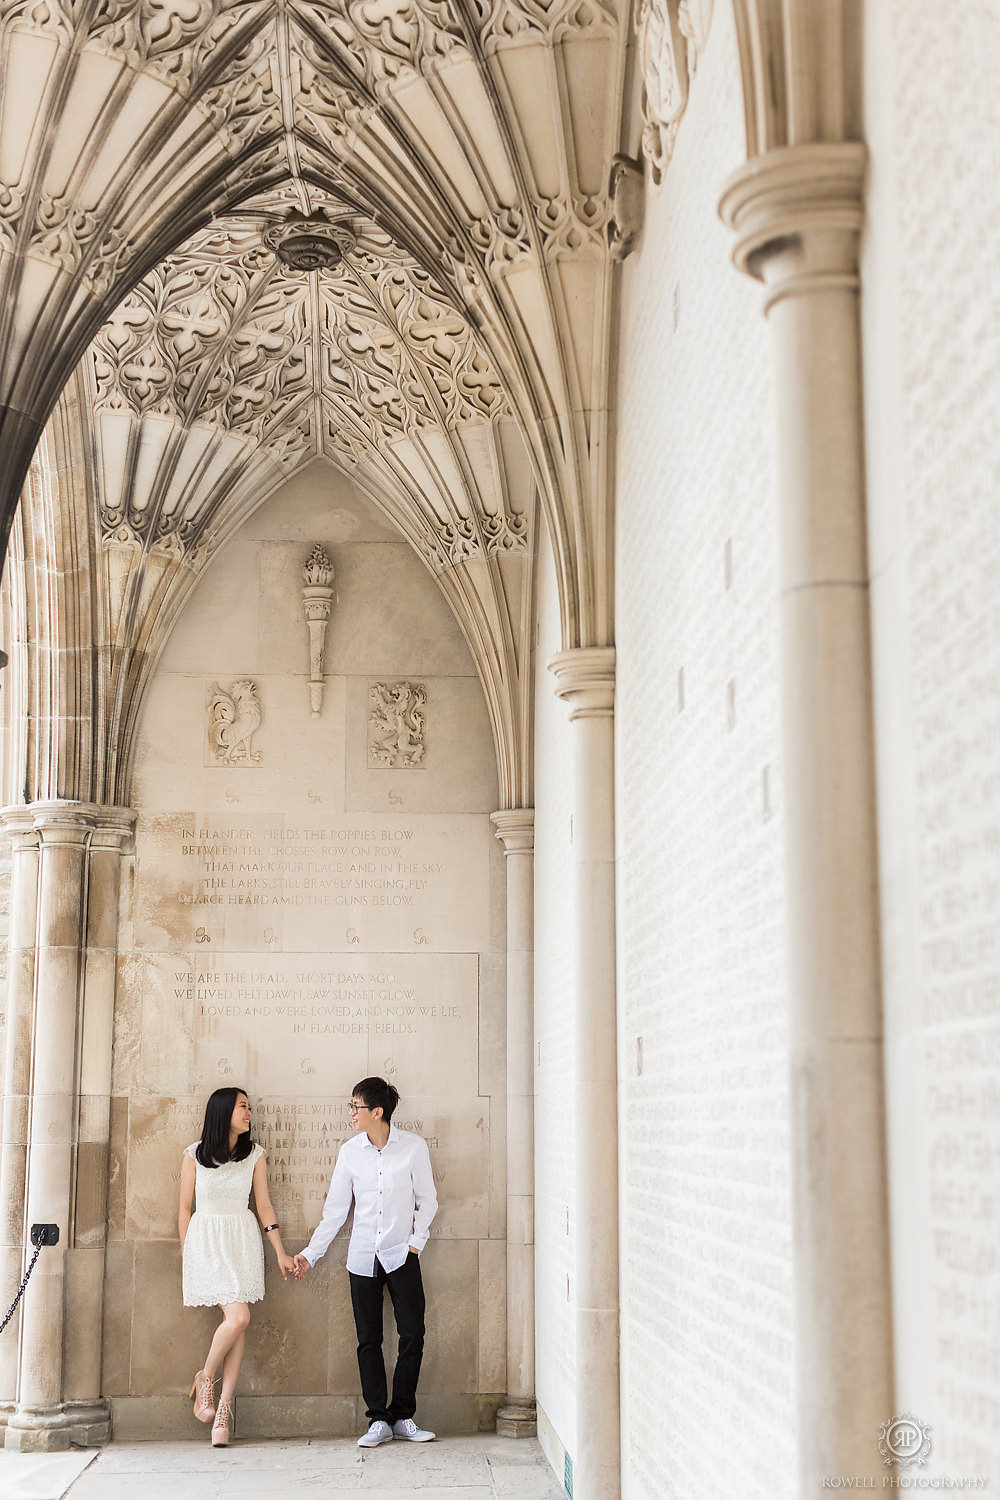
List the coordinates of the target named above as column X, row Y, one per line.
column 223, row 1254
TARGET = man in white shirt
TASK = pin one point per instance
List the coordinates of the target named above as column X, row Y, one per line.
column 386, row 1173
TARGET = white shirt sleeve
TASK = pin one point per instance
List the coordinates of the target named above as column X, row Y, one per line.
column 335, row 1210
column 425, row 1201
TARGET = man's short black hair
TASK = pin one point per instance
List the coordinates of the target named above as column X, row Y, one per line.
column 377, row 1094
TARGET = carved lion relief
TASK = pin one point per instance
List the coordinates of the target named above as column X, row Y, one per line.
column 396, row 725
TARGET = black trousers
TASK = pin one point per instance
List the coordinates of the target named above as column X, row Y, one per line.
column 406, row 1292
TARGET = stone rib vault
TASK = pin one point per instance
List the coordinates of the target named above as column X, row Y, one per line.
column 483, row 245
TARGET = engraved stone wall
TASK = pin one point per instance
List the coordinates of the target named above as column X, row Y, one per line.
column 556, row 1374
column 932, row 309
column 5, row 870
column 296, row 922
column 705, row 1239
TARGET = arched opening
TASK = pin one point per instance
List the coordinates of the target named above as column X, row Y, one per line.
column 317, row 898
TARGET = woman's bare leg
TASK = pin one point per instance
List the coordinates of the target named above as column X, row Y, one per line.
column 230, row 1332
column 231, row 1369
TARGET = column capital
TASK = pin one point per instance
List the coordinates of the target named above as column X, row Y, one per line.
column 115, row 829
column 64, row 821
column 585, row 678
column 797, row 213
column 515, row 828
column 19, row 826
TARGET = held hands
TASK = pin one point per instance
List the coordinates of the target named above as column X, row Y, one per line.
column 298, row 1265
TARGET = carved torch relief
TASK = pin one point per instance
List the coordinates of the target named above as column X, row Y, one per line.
column 317, row 599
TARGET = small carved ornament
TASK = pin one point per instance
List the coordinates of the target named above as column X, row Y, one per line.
column 233, row 720
column 671, row 34
column 396, row 725
column 305, row 242
column 626, row 191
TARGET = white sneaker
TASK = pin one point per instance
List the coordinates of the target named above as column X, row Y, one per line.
column 408, row 1429
column 378, row 1432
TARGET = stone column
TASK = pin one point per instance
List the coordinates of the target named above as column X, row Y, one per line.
column 797, row 212
column 16, row 1082
column 85, row 1266
column 64, row 831
column 516, row 831
column 58, row 1397
column 586, row 680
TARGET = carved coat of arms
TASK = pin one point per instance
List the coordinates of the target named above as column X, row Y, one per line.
column 396, row 724
column 233, row 719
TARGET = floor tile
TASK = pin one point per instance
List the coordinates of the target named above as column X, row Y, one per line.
column 96, row 1485
column 39, row 1476
column 464, row 1468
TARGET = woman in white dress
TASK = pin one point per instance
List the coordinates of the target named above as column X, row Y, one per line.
column 221, row 1245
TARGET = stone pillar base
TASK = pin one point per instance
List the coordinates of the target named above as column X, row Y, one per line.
column 55, row 1429
column 517, row 1421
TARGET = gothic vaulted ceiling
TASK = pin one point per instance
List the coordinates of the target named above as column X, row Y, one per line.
column 236, row 235
column 465, row 143
column 374, row 231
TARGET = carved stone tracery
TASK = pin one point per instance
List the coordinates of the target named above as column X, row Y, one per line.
column 552, row 21
column 458, row 541
column 175, row 42
column 246, row 103
column 385, row 43
column 223, row 335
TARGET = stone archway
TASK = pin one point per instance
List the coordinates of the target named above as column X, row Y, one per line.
column 445, row 340
column 454, row 355
column 314, row 900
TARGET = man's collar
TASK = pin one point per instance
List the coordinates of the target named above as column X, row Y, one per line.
column 393, row 1132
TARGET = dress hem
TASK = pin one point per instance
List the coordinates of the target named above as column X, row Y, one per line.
column 221, row 1302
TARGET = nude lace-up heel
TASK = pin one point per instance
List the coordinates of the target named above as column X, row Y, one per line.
column 202, row 1393
column 220, row 1427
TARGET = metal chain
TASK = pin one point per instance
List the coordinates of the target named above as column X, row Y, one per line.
column 20, row 1290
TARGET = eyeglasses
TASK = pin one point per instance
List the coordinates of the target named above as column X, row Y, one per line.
column 356, row 1108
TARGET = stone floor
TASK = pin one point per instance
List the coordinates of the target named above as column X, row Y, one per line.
column 457, row 1468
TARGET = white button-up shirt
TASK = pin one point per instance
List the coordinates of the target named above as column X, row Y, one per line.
column 394, row 1201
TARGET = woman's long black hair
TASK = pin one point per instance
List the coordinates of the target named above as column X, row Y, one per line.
column 213, row 1148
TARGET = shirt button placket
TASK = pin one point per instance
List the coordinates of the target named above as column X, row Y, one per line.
column 378, row 1234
